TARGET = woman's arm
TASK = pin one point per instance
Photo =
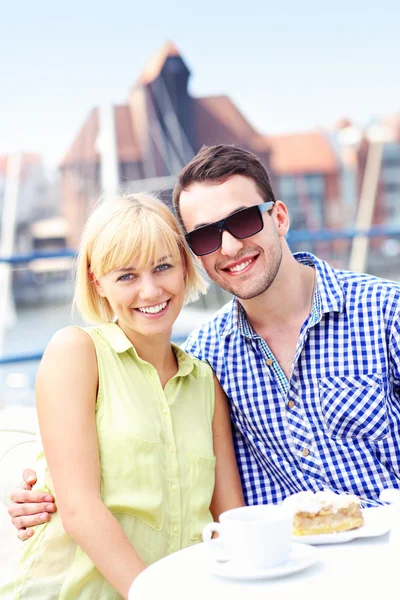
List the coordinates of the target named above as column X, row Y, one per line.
column 228, row 489
column 66, row 391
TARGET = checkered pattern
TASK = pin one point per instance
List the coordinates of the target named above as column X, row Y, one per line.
column 335, row 423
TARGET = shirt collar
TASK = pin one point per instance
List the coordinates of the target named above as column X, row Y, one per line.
column 120, row 343
column 329, row 297
column 116, row 337
column 329, row 290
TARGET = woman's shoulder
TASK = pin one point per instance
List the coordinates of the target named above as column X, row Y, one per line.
column 71, row 335
column 70, row 342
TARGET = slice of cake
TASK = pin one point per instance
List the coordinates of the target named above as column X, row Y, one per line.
column 324, row 512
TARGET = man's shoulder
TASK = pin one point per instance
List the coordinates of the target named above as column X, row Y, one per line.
column 210, row 332
column 351, row 281
column 371, row 284
column 362, row 291
column 220, row 319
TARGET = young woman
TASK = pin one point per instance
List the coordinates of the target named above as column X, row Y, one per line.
column 137, row 446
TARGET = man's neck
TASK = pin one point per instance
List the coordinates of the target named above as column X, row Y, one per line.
column 288, row 299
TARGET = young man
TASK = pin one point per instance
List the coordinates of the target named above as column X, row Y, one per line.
column 309, row 356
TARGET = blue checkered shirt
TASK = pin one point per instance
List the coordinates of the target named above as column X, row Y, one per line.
column 335, row 424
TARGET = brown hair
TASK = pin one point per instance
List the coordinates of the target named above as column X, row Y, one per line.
column 217, row 164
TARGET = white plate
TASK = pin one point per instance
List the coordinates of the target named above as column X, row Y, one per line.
column 301, row 556
column 377, row 521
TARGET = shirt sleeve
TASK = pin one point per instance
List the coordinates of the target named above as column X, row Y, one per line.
column 191, row 345
column 394, row 350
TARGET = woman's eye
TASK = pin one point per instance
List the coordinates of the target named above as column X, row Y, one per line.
column 163, row 267
column 126, row 277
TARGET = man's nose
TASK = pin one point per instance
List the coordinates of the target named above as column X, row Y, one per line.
column 230, row 245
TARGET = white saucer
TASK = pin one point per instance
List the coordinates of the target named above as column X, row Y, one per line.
column 301, row 556
column 377, row 521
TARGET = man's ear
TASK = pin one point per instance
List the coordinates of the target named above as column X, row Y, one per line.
column 281, row 215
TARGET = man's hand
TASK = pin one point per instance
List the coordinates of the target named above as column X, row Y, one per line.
column 29, row 508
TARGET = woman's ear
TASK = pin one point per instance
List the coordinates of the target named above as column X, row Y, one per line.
column 98, row 287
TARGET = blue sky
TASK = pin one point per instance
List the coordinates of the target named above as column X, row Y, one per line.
column 288, row 65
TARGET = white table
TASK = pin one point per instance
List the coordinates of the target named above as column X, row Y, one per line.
column 363, row 568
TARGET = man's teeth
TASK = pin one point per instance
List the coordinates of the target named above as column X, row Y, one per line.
column 153, row 309
column 242, row 266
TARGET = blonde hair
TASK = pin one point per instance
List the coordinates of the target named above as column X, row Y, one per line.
column 132, row 227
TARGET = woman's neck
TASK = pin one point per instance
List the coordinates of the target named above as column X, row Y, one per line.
column 157, row 351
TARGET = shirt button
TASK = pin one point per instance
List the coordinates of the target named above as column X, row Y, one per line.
column 176, row 529
column 164, row 412
column 174, row 488
column 291, row 403
column 171, row 448
column 305, row 452
column 269, row 361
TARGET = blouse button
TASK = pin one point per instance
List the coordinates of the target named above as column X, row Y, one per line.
column 305, row 452
column 269, row 361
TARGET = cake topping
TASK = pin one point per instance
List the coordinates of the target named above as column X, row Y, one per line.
column 312, row 503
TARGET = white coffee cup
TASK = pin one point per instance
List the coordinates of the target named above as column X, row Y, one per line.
column 258, row 537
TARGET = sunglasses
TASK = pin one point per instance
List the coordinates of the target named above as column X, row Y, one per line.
column 241, row 224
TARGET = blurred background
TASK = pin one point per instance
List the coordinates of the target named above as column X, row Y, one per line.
column 95, row 98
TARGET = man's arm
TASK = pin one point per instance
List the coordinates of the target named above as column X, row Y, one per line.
column 394, row 350
column 29, row 508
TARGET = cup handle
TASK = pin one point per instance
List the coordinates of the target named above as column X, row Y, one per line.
column 209, row 529
column 219, row 551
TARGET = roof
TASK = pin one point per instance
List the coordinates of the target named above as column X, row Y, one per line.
column 218, row 120
column 84, row 149
column 309, row 152
column 154, row 66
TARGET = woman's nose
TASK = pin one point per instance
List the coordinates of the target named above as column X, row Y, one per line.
column 149, row 288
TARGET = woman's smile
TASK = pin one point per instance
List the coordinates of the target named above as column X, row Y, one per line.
column 155, row 311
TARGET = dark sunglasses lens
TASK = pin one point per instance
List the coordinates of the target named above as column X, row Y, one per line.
column 245, row 223
column 204, row 240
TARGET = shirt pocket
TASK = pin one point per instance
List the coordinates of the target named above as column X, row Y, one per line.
column 132, row 481
column 202, row 482
column 354, row 407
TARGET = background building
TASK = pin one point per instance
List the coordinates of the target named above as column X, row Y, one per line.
column 144, row 144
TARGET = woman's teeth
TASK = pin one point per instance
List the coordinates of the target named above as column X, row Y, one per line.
column 153, row 309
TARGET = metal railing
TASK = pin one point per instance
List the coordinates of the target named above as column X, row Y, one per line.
column 294, row 238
